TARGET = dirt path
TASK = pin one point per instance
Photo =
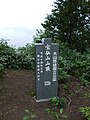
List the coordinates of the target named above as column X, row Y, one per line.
column 16, row 96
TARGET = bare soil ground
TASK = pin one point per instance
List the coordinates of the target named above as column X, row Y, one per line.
column 17, row 87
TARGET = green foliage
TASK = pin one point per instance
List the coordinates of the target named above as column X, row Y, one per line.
column 57, row 108
column 30, row 114
column 74, row 63
column 27, row 54
column 7, row 53
column 86, row 112
column 12, row 58
column 69, row 23
column 63, row 75
column 87, row 95
column 32, row 93
column 57, row 115
column 39, row 36
column 58, row 102
column 71, row 62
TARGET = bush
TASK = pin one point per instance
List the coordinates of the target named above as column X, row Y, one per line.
column 28, row 56
column 7, row 54
column 71, row 62
column 74, row 63
column 12, row 58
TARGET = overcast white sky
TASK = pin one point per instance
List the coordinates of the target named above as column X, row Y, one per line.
column 19, row 19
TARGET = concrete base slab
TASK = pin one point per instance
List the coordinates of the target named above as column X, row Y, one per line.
column 42, row 100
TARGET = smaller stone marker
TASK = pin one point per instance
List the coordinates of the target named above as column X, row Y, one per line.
column 46, row 70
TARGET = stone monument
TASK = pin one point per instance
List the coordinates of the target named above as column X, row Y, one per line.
column 46, row 70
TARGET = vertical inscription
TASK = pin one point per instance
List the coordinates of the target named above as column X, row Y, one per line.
column 47, row 64
column 54, row 66
column 39, row 65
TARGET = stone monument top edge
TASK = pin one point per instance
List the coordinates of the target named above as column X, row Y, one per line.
column 44, row 40
column 38, row 43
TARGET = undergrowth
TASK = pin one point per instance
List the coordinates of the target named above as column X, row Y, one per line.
column 70, row 61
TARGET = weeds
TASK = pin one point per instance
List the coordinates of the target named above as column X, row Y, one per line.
column 87, row 95
column 58, row 102
column 30, row 114
column 57, row 115
column 85, row 111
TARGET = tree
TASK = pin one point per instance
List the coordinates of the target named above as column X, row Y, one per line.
column 69, row 23
column 38, row 36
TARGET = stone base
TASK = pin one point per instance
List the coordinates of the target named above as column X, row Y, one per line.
column 42, row 100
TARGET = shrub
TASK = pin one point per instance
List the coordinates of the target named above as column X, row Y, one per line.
column 71, row 62
column 74, row 63
column 12, row 58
